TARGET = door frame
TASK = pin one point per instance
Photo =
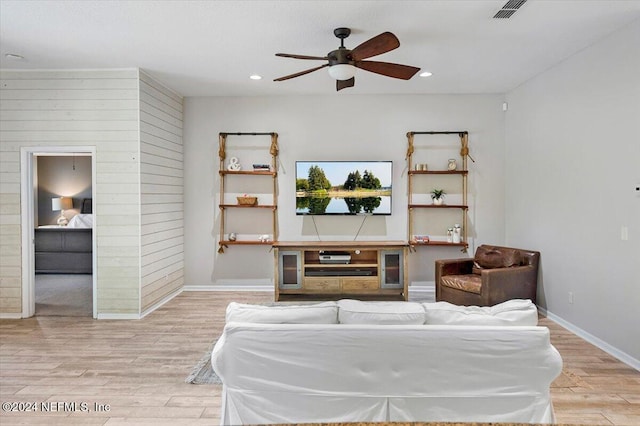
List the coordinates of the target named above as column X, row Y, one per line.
column 27, row 219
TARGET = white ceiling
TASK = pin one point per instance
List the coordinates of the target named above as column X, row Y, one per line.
column 209, row 48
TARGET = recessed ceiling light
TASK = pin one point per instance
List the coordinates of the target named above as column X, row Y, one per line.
column 426, row 74
column 14, row 56
column 255, row 77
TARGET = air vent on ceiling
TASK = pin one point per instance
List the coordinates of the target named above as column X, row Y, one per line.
column 509, row 9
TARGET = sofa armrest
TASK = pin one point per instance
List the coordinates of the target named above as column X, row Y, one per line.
column 503, row 284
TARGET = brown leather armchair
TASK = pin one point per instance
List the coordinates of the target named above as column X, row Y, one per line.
column 495, row 274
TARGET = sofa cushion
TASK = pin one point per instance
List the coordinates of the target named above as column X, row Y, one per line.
column 511, row 312
column 496, row 257
column 468, row 283
column 358, row 312
column 319, row 313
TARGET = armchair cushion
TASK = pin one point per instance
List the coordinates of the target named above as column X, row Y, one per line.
column 468, row 283
column 490, row 257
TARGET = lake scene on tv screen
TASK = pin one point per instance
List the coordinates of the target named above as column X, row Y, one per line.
column 343, row 187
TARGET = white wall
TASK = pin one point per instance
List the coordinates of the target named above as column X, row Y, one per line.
column 76, row 108
column 336, row 126
column 573, row 162
column 135, row 125
column 161, row 189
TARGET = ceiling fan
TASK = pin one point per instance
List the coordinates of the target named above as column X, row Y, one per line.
column 343, row 62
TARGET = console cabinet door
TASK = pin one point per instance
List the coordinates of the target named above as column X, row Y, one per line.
column 290, row 269
column 392, row 269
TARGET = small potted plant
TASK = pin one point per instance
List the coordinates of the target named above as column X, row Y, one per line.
column 437, row 195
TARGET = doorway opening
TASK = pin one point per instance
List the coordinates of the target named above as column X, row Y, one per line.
column 59, row 233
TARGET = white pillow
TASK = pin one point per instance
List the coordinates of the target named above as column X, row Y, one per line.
column 319, row 313
column 358, row 312
column 511, row 312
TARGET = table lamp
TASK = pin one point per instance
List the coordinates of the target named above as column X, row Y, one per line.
column 62, row 204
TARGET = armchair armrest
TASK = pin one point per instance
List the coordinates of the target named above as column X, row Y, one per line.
column 453, row 267
column 517, row 282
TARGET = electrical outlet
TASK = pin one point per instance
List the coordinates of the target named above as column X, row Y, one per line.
column 571, row 298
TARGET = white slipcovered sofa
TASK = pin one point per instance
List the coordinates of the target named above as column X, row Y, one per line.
column 352, row 361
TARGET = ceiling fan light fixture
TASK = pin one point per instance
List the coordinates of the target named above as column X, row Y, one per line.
column 342, row 71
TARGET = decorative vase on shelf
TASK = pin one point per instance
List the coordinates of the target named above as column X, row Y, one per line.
column 452, row 164
column 438, row 201
column 457, row 235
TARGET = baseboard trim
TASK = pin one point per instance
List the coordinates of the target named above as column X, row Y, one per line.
column 265, row 288
column 109, row 316
column 11, row 315
column 421, row 289
column 611, row 350
column 161, row 302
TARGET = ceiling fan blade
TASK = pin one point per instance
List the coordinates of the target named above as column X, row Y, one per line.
column 377, row 45
column 298, row 74
column 403, row 72
column 343, row 84
column 289, row 55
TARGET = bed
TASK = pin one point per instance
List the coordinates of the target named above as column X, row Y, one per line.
column 66, row 249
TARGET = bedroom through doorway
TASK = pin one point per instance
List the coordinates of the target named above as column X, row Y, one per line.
column 60, row 273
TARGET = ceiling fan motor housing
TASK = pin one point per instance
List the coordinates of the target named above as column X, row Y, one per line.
column 340, row 56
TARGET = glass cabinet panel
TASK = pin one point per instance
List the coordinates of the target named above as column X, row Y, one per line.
column 290, row 267
column 392, row 269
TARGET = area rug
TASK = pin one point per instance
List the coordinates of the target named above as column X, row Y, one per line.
column 202, row 373
column 567, row 379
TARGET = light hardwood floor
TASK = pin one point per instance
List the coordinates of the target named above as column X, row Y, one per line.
column 138, row 368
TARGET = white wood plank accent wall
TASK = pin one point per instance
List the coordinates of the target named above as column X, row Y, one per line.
column 161, row 192
column 136, row 126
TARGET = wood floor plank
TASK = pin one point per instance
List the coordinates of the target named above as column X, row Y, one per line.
column 138, row 367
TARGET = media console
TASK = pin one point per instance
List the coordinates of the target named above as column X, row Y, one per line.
column 337, row 269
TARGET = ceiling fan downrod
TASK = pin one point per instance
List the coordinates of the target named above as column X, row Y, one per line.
column 342, row 33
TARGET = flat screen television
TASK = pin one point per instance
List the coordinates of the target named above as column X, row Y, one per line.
column 343, row 187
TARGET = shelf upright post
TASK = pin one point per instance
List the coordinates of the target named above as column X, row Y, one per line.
column 274, row 150
column 222, row 140
column 410, row 150
column 464, row 153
